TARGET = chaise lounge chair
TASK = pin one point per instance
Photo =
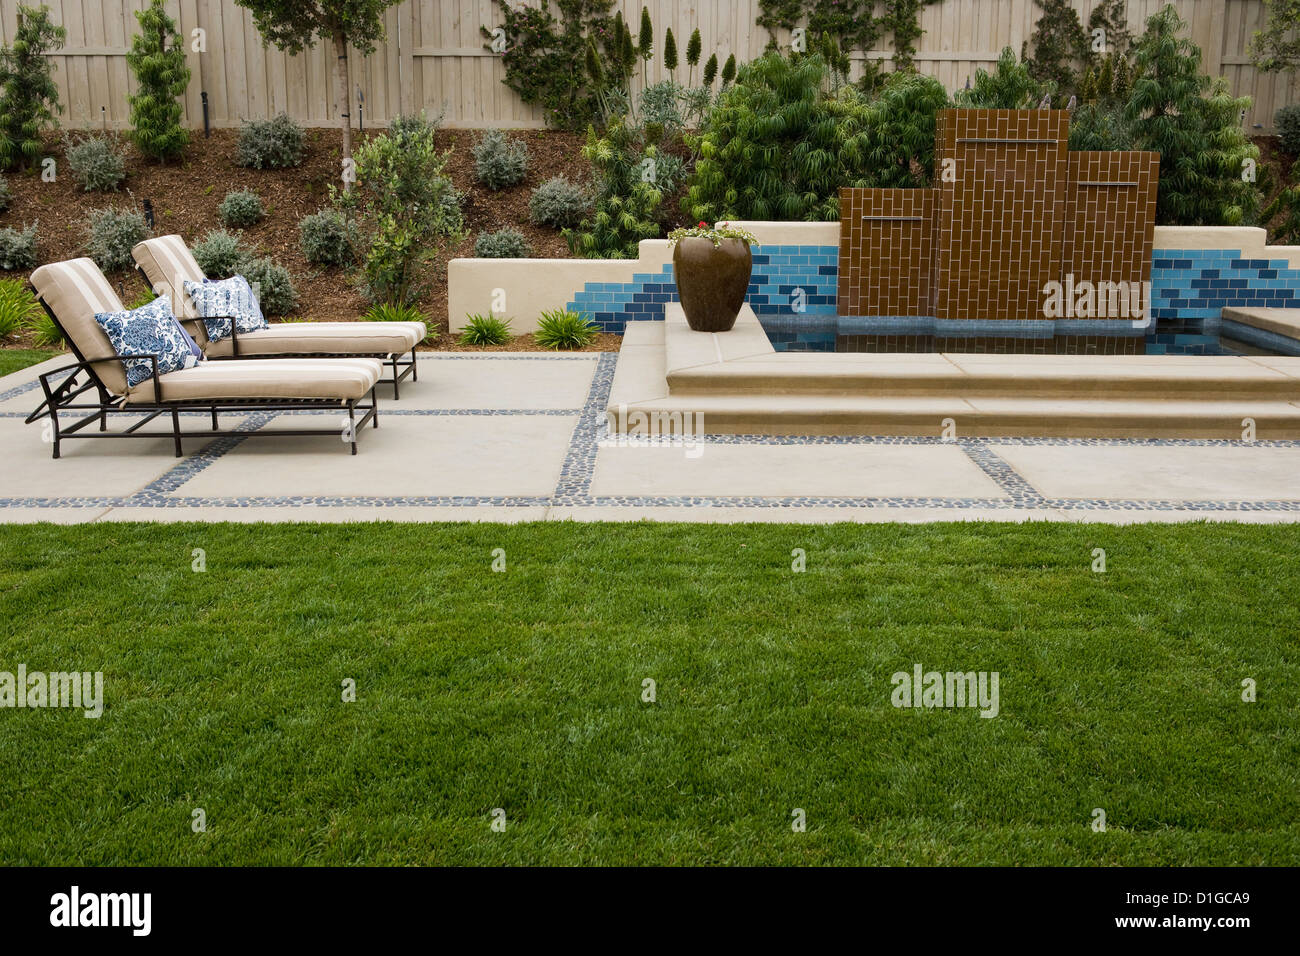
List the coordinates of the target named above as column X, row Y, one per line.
column 73, row 292
column 166, row 264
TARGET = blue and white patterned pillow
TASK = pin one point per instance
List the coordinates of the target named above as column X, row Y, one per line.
column 149, row 330
column 217, row 301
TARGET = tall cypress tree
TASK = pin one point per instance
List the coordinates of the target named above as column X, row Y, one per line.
column 158, row 61
column 28, row 96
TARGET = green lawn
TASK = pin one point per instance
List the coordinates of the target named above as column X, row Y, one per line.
column 522, row 691
column 12, row 360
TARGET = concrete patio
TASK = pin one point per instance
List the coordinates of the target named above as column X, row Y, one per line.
column 522, row 436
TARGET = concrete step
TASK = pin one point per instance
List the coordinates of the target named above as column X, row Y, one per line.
column 671, row 380
column 944, row 417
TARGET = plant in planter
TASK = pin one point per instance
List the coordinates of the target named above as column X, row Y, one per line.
column 711, row 267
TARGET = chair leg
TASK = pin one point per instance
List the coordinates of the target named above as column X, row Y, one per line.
column 415, row 368
column 352, row 425
column 215, row 426
column 176, row 430
column 374, row 409
column 393, row 361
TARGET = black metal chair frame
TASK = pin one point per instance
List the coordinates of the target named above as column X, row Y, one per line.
column 62, row 397
column 402, row 365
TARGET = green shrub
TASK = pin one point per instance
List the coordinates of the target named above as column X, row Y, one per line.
column 1193, row 122
column 561, row 329
column 1096, row 126
column 241, row 208
column 661, row 106
column 404, row 206
column 270, row 144
column 45, row 333
column 29, row 97
column 326, row 238
column 1287, row 121
column 779, row 146
column 499, row 161
column 18, row 248
column 220, row 254
column 558, row 203
column 897, row 143
column 502, row 244
column 111, row 234
column 384, row 312
column 97, row 163
column 6, row 197
column 157, row 58
column 632, row 179
column 18, row 307
column 1009, row 87
column 272, row 284
column 485, row 330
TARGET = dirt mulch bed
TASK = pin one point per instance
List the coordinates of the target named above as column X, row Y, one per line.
column 604, row 342
column 185, row 195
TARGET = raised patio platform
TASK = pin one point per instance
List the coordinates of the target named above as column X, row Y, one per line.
column 739, row 384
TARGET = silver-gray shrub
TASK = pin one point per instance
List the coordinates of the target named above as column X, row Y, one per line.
column 558, row 202
column 98, row 163
column 499, row 161
column 111, row 233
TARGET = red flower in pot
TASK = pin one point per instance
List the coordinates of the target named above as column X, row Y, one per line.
column 711, row 267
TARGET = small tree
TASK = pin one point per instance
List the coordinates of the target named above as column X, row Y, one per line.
column 1276, row 48
column 157, row 59
column 296, row 25
column 1192, row 121
column 28, row 96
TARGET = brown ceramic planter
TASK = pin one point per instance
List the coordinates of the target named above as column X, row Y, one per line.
column 712, row 281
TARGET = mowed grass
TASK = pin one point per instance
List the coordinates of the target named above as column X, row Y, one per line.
column 522, row 690
column 13, row 360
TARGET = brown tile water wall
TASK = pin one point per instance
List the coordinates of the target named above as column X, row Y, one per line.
column 1000, row 176
column 1011, row 210
column 886, row 251
column 1110, row 219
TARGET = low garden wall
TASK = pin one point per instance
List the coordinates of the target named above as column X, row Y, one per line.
column 1197, row 271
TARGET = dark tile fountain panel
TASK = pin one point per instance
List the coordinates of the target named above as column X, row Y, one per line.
column 1011, row 211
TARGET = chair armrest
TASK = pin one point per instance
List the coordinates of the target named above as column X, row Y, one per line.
column 54, row 395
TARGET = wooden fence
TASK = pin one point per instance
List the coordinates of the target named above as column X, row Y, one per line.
column 434, row 56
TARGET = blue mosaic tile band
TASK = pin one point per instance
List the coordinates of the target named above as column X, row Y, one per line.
column 1189, row 290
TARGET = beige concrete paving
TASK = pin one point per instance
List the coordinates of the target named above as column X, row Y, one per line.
column 791, row 470
column 422, row 455
column 1145, row 472
column 406, row 456
column 88, row 468
column 500, row 383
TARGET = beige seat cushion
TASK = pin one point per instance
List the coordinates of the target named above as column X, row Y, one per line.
column 325, row 338
column 340, row 379
column 74, row 291
column 167, row 263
